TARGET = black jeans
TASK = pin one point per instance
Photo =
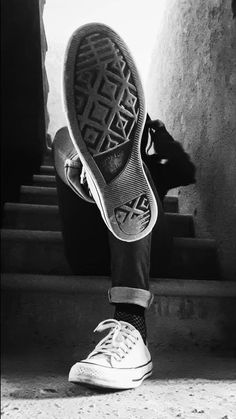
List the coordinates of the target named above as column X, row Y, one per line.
column 93, row 250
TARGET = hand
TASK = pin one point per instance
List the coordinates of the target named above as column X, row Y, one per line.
column 157, row 123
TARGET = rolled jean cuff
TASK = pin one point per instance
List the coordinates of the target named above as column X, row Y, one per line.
column 127, row 295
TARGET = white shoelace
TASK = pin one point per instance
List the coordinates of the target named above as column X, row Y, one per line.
column 83, row 178
column 84, row 181
column 118, row 342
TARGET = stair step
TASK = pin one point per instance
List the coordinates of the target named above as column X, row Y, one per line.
column 44, row 180
column 184, row 314
column 195, row 258
column 31, row 217
column 47, row 170
column 83, row 283
column 48, row 158
column 181, row 225
column 33, row 252
column 46, row 217
column 38, row 195
column 26, row 251
column 171, row 204
column 48, row 196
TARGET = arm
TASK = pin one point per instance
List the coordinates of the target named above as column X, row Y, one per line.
column 170, row 166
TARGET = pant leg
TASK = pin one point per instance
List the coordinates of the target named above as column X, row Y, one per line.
column 86, row 241
column 131, row 262
column 85, row 235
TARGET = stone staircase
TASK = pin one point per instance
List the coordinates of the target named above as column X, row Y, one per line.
column 31, row 229
column 44, row 303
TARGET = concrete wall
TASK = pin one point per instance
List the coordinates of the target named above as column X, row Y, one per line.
column 23, row 130
column 192, row 88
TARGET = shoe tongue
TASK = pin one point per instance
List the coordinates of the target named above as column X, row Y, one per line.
column 105, row 359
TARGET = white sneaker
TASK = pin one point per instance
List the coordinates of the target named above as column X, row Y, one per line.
column 121, row 360
column 105, row 109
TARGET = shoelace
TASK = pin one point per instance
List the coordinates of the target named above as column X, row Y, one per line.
column 84, row 182
column 83, row 178
column 118, row 342
column 153, row 128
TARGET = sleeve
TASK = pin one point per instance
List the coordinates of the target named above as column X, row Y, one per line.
column 171, row 165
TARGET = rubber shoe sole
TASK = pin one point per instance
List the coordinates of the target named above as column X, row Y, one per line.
column 105, row 377
column 105, row 108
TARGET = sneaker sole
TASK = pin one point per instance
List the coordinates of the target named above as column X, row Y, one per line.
column 104, row 104
column 104, row 377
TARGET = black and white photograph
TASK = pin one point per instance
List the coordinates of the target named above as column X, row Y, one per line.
column 118, row 209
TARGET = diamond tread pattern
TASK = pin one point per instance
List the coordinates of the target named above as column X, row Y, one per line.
column 106, row 110
column 106, row 99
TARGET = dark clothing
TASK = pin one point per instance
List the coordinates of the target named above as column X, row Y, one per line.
column 178, row 170
column 131, row 261
column 88, row 249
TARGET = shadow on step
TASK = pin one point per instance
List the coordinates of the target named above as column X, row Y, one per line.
column 43, row 375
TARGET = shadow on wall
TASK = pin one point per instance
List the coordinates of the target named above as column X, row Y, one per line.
column 234, row 8
column 192, row 89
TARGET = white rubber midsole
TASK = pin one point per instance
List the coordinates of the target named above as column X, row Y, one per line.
column 120, row 378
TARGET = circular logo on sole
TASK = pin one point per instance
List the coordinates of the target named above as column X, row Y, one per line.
column 133, row 217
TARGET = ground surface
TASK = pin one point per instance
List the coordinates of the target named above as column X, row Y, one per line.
column 183, row 385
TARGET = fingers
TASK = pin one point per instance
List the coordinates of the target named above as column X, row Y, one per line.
column 157, row 123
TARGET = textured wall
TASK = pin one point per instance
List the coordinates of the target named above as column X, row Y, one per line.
column 22, row 98
column 192, row 87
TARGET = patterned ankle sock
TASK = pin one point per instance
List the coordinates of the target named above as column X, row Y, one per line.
column 133, row 314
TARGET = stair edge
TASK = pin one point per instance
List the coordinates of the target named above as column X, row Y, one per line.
column 100, row 284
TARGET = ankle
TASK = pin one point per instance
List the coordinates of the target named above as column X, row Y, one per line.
column 133, row 314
